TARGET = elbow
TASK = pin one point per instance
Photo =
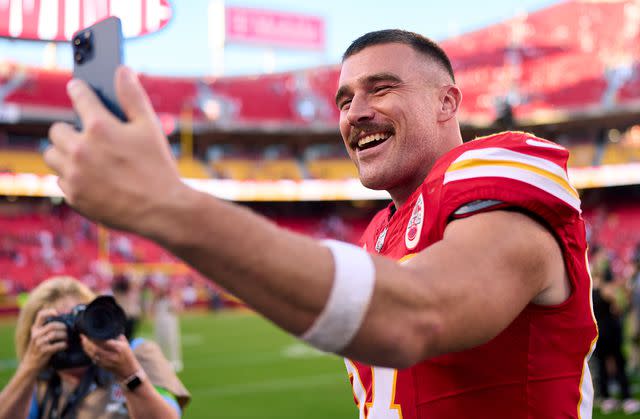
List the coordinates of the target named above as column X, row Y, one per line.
column 421, row 345
column 412, row 342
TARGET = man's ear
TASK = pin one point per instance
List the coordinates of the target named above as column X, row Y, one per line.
column 450, row 98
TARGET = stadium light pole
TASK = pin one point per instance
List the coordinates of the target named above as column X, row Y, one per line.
column 103, row 243
column 186, row 132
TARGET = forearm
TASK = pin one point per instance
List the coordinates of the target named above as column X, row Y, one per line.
column 433, row 301
column 15, row 398
column 146, row 402
column 285, row 276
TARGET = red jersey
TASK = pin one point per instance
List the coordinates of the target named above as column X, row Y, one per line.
column 537, row 367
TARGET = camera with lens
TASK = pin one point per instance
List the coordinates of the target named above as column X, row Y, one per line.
column 82, row 45
column 101, row 319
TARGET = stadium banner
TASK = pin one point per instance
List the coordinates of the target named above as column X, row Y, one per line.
column 26, row 184
column 58, row 20
column 277, row 29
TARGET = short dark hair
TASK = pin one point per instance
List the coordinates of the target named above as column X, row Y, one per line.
column 416, row 41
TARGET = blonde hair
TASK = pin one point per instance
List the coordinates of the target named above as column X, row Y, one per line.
column 45, row 294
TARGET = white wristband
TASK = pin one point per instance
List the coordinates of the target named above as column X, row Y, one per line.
column 353, row 284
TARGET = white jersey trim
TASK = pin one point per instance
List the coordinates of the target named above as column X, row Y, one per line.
column 499, row 162
column 499, row 154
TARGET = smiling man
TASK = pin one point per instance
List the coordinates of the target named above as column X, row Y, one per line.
column 471, row 296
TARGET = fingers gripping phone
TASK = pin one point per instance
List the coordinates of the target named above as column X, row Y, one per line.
column 97, row 52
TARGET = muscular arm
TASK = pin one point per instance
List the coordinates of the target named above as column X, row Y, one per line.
column 479, row 277
column 458, row 293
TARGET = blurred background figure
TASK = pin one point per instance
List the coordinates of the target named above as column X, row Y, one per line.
column 127, row 292
column 166, row 324
column 634, row 314
column 189, row 293
column 611, row 362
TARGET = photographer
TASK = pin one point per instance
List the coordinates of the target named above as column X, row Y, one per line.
column 64, row 374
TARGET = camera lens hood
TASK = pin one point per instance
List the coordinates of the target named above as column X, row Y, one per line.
column 102, row 319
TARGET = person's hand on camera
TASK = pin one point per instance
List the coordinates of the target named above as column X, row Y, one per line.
column 118, row 173
column 113, row 355
column 46, row 340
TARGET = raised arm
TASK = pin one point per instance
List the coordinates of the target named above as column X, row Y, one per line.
column 458, row 293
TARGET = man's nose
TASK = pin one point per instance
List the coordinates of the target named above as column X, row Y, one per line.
column 359, row 111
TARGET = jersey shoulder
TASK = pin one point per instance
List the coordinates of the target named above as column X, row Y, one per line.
column 515, row 168
column 504, row 146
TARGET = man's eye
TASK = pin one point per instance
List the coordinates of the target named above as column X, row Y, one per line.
column 344, row 105
column 381, row 88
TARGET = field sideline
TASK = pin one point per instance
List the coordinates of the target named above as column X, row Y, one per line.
column 238, row 365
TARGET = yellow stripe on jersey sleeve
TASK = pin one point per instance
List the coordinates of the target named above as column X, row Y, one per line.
column 465, row 164
column 406, row 258
column 500, row 162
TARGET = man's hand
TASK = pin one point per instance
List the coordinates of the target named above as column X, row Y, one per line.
column 117, row 173
column 113, row 355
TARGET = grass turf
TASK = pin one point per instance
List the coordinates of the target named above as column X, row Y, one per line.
column 237, row 365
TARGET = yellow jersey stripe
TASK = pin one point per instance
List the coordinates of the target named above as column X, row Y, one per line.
column 519, row 174
column 470, row 163
column 405, row 258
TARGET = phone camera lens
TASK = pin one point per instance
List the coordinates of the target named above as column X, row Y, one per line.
column 82, row 45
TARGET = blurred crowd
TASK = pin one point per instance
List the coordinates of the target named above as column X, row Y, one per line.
column 41, row 239
column 614, row 255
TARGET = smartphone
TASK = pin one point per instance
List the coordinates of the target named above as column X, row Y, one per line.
column 97, row 52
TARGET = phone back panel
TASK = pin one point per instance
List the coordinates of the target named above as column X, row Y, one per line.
column 97, row 52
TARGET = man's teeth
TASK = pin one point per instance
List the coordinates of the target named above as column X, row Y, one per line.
column 371, row 138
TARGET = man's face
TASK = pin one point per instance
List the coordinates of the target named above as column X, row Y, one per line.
column 388, row 101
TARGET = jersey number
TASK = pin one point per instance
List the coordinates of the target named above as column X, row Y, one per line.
column 383, row 393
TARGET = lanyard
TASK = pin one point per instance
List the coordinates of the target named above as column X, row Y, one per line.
column 54, row 391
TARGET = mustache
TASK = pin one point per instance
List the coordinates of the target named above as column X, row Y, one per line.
column 364, row 128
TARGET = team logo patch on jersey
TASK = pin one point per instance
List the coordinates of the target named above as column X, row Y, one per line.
column 380, row 241
column 414, row 228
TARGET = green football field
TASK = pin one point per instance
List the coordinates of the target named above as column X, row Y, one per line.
column 238, row 365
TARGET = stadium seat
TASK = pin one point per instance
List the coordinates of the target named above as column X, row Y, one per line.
column 332, row 168
column 620, row 153
column 278, row 169
column 582, row 155
column 234, row 168
column 23, row 161
column 192, row 168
